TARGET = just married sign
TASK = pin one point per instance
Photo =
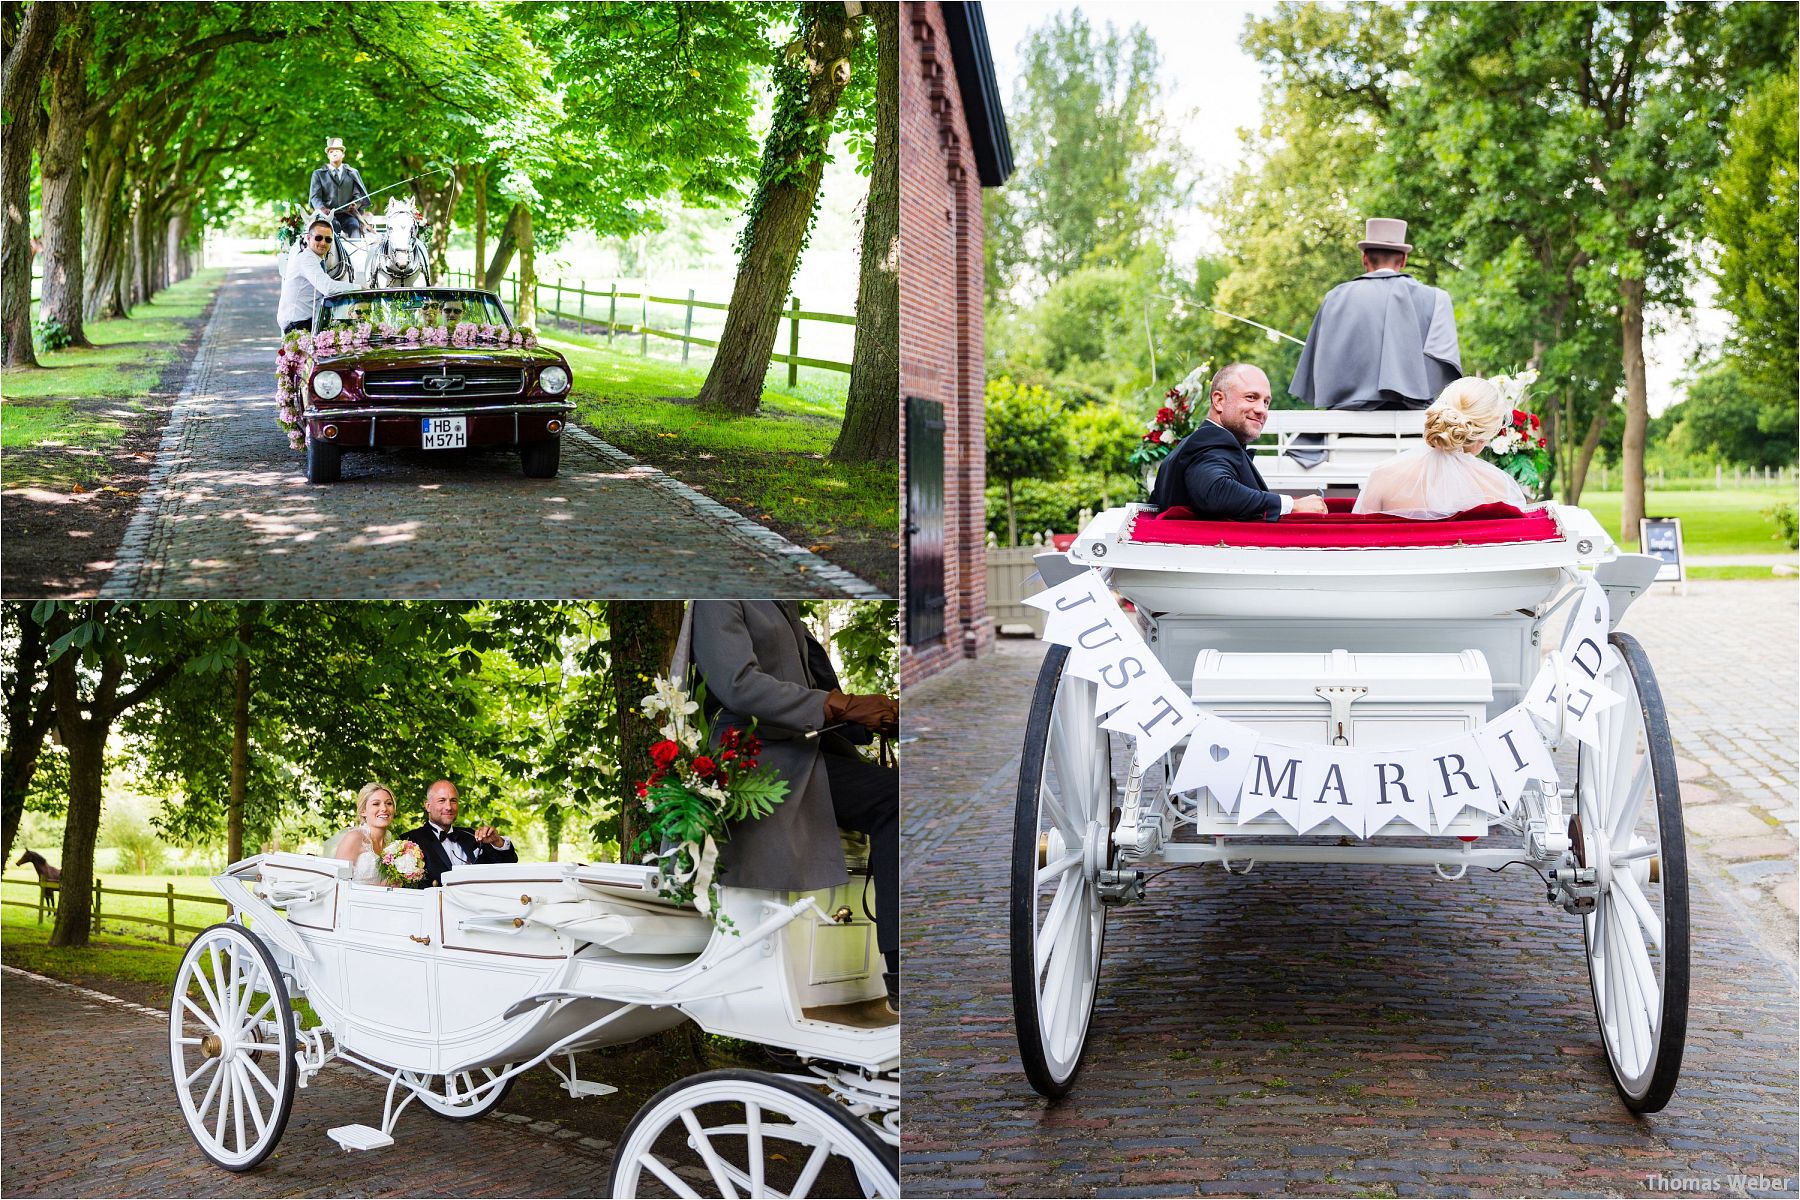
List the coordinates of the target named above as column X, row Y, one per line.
column 1306, row 784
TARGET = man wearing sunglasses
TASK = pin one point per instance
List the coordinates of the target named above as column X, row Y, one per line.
column 303, row 278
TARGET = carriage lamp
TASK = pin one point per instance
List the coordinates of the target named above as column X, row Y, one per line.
column 554, row 380
column 327, row 385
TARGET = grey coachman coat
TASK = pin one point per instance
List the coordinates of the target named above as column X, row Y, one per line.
column 1382, row 339
column 758, row 661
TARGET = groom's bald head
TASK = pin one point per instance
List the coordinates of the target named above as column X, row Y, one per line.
column 1240, row 401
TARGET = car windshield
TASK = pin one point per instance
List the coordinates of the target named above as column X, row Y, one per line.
column 424, row 309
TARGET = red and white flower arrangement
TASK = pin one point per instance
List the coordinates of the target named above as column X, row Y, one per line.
column 1173, row 421
column 1520, row 448
column 402, row 863
column 694, row 791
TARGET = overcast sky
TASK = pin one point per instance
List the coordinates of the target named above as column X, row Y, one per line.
column 1213, row 89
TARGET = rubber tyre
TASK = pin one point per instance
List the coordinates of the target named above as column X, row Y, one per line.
column 541, row 460
column 324, row 462
column 1651, row 1090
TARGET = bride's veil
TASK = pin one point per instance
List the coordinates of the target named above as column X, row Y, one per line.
column 330, row 849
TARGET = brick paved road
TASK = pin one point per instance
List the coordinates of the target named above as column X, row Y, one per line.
column 229, row 513
column 1329, row 1030
column 90, row 1112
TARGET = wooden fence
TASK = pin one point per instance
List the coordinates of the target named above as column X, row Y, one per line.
column 168, row 893
column 571, row 304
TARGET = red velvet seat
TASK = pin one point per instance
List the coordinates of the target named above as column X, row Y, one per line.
column 1341, row 529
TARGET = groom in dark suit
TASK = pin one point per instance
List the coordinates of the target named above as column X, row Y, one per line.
column 446, row 845
column 1211, row 470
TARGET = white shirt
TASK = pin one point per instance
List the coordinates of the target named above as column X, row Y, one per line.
column 303, row 281
column 452, row 847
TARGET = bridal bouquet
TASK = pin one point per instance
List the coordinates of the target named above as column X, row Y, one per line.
column 402, row 863
column 1520, row 449
column 693, row 792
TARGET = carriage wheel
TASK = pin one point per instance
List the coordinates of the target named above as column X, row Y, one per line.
column 1637, row 936
column 467, row 1110
column 747, row 1133
column 232, row 1046
column 1062, row 831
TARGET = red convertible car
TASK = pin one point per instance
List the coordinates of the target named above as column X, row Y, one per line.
column 422, row 369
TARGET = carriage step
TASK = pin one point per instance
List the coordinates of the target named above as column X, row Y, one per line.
column 860, row 1014
column 587, row 1087
column 359, row 1137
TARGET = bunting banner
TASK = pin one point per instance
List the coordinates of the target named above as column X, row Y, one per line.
column 1364, row 789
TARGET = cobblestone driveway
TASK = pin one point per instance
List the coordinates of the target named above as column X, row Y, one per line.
column 1335, row 1030
column 230, row 514
column 89, row 1112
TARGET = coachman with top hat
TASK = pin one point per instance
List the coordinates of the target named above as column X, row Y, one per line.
column 1383, row 339
column 338, row 191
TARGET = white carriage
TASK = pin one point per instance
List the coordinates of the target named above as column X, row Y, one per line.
column 450, row 993
column 1318, row 639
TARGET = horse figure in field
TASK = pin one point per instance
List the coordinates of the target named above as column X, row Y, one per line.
column 46, row 874
column 399, row 259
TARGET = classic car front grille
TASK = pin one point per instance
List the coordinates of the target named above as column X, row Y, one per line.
column 417, row 383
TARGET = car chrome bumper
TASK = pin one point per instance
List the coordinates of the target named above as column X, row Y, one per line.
column 408, row 410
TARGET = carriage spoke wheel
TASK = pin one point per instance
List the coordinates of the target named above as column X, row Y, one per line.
column 1630, row 832
column 463, row 1108
column 232, row 1046
column 1062, row 829
column 746, row 1133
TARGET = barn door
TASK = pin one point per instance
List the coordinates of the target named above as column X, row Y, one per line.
column 924, row 520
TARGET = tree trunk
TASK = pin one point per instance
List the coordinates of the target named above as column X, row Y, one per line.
column 28, row 720
column 240, row 745
column 63, row 286
column 480, row 186
column 503, row 249
column 438, row 196
column 525, row 311
column 1584, row 458
column 642, row 642
column 21, row 77
column 106, row 220
column 1637, row 408
column 810, row 79
column 871, row 431
column 85, row 739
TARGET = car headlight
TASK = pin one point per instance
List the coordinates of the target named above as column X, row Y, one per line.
column 327, row 385
column 554, row 380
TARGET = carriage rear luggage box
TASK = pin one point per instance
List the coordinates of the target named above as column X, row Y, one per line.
column 1408, row 700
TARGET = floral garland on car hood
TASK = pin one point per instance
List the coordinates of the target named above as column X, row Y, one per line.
column 294, row 357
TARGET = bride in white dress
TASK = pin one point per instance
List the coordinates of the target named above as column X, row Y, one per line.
column 1445, row 477
column 361, row 844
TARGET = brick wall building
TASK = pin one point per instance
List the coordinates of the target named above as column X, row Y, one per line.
column 952, row 144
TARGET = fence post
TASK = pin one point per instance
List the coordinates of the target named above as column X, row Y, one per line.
column 794, row 343
column 644, row 320
column 612, row 312
column 171, row 888
column 581, row 321
column 687, row 328
column 98, row 891
column 558, row 309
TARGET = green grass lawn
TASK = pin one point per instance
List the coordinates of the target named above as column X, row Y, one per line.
column 83, row 400
column 1729, row 521
column 111, row 962
column 771, row 463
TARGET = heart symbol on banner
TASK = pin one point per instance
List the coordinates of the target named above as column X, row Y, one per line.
column 1220, row 753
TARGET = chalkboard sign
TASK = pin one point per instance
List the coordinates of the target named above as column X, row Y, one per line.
column 1661, row 536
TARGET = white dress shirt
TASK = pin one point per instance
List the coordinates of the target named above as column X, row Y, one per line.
column 303, row 281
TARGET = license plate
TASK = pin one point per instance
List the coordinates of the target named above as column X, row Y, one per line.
column 445, row 433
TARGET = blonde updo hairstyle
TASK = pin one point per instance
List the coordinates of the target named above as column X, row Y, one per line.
column 1467, row 412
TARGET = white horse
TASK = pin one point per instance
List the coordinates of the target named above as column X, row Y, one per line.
column 398, row 259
